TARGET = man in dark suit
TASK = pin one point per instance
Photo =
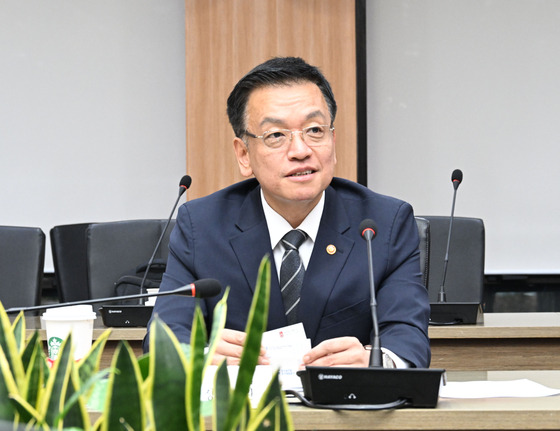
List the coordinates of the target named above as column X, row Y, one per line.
column 282, row 113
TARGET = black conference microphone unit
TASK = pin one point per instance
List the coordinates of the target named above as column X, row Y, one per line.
column 452, row 313
column 204, row 288
column 139, row 314
column 374, row 387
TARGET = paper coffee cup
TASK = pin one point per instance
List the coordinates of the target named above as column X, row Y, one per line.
column 59, row 322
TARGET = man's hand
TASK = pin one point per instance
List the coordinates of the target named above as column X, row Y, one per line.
column 230, row 347
column 342, row 351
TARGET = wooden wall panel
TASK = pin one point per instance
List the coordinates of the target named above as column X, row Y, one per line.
column 227, row 38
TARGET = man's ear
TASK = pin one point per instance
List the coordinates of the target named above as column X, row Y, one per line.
column 242, row 155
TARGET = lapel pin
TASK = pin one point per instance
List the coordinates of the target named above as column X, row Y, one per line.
column 331, row 249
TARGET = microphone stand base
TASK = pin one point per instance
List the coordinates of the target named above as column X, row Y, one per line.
column 350, row 387
column 456, row 313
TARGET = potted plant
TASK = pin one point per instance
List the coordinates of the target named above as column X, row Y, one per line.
column 160, row 390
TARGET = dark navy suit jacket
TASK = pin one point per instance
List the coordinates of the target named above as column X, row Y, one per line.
column 225, row 236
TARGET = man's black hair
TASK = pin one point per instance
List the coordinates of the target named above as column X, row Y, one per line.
column 276, row 71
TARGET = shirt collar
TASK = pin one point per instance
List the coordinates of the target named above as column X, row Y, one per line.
column 278, row 226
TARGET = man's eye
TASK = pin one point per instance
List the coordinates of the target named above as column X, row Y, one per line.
column 275, row 135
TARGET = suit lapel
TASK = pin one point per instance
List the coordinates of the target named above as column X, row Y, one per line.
column 330, row 254
column 250, row 245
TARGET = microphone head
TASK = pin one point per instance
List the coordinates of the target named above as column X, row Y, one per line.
column 207, row 287
column 456, row 178
column 184, row 184
column 368, row 229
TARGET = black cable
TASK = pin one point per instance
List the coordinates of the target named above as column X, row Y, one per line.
column 401, row 402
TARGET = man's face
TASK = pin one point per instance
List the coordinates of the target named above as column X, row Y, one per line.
column 292, row 177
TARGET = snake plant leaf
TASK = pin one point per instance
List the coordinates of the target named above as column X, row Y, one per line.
column 124, row 400
column 273, row 395
column 52, row 401
column 218, row 323
column 27, row 414
column 9, row 345
column 168, row 379
column 28, row 350
column 222, row 394
column 89, row 364
column 34, row 375
column 84, row 390
column 74, row 413
column 18, row 328
column 266, row 419
column 195, row 367
column 7, row 387
column 144, row 365
column 256, row 325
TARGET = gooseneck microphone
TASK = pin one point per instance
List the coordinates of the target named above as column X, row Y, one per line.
column 456, row 179
column 204, row 288
column 368, row 230
column 184, row 184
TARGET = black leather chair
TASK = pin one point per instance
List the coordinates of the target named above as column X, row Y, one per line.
column 424, row 234
column 117, row 248
column 68, row 246
column 464, row 281
column 22, row 258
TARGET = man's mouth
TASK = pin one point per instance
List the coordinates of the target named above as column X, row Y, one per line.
column 299, row 174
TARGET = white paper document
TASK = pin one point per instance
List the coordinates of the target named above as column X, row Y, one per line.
column 522, row 388
column 285, row 348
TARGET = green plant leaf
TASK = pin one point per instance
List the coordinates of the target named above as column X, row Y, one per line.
column 256, row 325
column 89, row 364
column 74, row 412
column 222, row 395
column 25, row 410
column 280, row 415
column 218, row 323
column 9, row 345
column 195, row 368
column 34, row 375
column 7, row 387
column 144, row 365
column 168, row 379
column 265, row 419
column 124, row 400
column 52, row 402
column 18, row 328
column 29, row 349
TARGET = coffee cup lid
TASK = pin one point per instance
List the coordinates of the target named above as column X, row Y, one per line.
column 71, row 312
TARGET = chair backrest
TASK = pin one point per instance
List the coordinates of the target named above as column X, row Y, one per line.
column 22, row 258
column 464, row 281
column 424, row 235
column 115, row 249
column 68, row 245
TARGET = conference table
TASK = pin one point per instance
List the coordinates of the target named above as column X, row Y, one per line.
column 541, row 413
column 506, row 346
column 504, row 341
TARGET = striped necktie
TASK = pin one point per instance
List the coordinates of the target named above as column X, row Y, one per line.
column 292, row 273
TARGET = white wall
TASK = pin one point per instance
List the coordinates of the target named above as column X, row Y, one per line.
column 92, row 110
column 473, row 85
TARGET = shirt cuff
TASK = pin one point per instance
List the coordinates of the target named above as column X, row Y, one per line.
column 391, row 360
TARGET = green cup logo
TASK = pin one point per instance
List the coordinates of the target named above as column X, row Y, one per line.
column 54, row 347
